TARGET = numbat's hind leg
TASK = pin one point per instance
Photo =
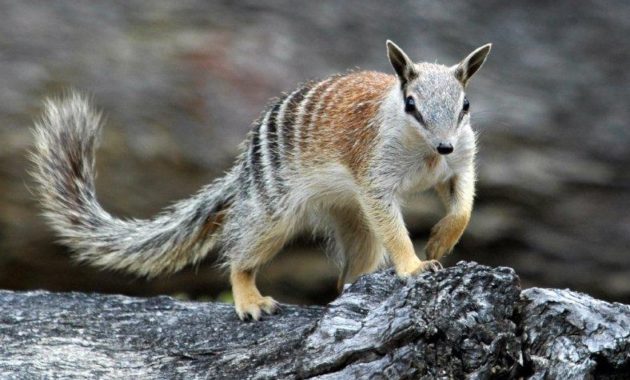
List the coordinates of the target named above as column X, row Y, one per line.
column 252, row 251
column 247, row 299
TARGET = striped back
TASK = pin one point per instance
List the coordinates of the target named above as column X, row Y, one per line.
column 334, row 120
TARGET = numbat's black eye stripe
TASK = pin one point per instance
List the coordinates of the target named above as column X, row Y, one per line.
column 410, row 104
column 410, row 108
column 465, row 109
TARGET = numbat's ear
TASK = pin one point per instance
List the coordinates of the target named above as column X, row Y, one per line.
column 404, row 67
column 471, row 64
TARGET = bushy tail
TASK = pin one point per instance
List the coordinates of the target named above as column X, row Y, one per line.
column 65, row 140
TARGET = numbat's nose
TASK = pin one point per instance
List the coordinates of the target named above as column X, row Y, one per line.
column 445, row 148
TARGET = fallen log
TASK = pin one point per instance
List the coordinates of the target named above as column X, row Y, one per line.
column 465, row 321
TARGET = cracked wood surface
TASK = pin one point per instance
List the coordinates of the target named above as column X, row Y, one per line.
column 465, row 321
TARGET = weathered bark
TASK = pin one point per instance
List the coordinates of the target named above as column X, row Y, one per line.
column 571, row 335
column 467, row 320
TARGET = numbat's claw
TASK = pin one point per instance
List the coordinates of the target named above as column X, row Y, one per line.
column 428, row 265
column 253, row 308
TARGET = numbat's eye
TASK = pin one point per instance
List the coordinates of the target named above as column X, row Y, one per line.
column 466, row 105
column 410, row 108
column 410, row 104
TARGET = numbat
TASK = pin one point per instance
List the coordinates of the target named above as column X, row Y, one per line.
column 336, row 156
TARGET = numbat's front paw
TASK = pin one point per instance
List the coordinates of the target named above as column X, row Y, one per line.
column 421, row 266
column 254, row 307
column 428, row 265
column 445, row 235
column 436, row 249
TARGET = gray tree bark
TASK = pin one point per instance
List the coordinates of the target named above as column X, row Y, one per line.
column 465, row 321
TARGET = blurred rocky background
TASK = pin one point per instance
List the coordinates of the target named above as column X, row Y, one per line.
column 181, row 82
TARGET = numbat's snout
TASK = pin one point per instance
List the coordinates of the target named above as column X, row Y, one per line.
column 445, row 148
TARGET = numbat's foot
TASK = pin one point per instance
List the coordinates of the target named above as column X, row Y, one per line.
column 254, row 306
column 419, row 267
column 428, row 265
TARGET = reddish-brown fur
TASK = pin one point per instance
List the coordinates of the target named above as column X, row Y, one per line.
column 213, row 222
column 343, row 127
column 445, row 235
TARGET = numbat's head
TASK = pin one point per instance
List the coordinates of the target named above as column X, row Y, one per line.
column 431, row 100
